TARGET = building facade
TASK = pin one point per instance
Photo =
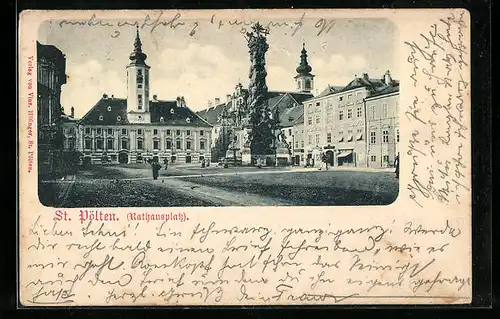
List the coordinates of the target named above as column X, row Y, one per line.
column 138, row 128
column 337, row 127
column 51, row 76
column 383, row 128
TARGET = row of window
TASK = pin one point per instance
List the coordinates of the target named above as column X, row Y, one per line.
column 140, row 131
column 329, row 116
column 340, row 98
column 99, row 144
column 385, row 158
column 359, row 113
column 359, row 137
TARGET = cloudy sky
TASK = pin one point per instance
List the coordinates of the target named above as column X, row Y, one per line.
column 211, row 62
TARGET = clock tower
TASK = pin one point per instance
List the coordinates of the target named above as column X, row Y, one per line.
column 138, row 85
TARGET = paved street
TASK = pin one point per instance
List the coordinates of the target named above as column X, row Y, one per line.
column 132, row 185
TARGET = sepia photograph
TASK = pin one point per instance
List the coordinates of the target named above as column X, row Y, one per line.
column 249, row 118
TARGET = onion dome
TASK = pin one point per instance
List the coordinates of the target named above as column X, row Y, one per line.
column 304, row 68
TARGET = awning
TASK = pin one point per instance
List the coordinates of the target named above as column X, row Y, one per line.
column 349, row 139
column 344, row 153
column 359, row 136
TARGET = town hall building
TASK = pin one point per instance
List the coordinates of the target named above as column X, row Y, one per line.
column 140, row 128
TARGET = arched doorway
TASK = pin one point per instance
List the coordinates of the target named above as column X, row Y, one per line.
column 123, row 158
column 329, row 157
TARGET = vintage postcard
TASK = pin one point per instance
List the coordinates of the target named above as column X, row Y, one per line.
column 244, row 157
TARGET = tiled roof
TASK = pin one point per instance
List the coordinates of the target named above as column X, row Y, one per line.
column 114, row 112
column 375, row 86
column 290, row 108
column 212, row 114
column 386, row 90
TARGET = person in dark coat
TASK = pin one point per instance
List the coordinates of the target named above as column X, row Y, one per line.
column 396, row 165
column 156, row 168
column 165, row 162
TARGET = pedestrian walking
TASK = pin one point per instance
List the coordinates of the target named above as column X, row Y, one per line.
column 155, row 166
column 396, row 165
column 325, row 160
column 165, row 162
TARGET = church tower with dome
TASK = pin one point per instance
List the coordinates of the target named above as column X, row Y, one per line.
column 304, row 78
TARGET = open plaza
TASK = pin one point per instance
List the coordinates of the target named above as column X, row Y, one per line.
column 132, row 185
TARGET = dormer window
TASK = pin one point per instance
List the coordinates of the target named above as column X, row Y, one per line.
column 109, row 108
column 101, row 118
column 188, row 120
column 118, row 118
column 171, row 111
column 162, row 119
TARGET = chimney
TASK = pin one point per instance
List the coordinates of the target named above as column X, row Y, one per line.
column 155, row 97
column 178, row 100
column 104, row 96
column 209, row 103
column 387, row 78
column 365, row 76
column 112, row 96
column 183, row 102
column 217, row 101
column 228, row 98
column 72, row 112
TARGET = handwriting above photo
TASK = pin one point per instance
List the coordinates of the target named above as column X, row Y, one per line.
column 244, row 157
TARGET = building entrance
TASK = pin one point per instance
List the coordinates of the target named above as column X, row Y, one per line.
column 123, row 158
column 329, row 157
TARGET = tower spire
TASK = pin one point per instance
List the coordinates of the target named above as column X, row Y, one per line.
column 137, row 56
column 304, row 78
column 304, row 68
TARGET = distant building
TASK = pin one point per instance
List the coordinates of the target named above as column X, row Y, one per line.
column 135, row 129
column 51, row 75
column 336, row 123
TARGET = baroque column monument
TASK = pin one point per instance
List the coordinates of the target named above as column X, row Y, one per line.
column 260, row 124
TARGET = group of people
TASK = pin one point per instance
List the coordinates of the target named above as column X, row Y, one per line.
column 156, row 167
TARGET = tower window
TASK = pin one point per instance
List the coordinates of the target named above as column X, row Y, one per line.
column 308, row 84
column 139, row 101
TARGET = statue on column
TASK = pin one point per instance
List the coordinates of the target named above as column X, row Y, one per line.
column 261, row 135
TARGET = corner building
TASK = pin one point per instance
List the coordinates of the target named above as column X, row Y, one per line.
column 355, row 125
column 138, row 128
